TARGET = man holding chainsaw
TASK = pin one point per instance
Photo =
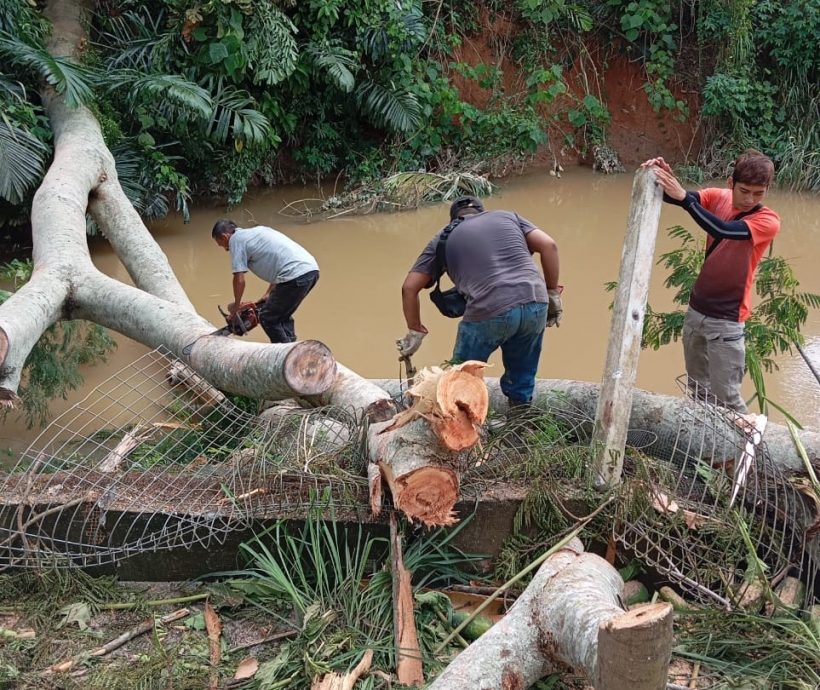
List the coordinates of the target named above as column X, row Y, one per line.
column 506, row 302
column 289, row 268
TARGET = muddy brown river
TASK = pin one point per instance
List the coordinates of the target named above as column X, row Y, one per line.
column 356, row 308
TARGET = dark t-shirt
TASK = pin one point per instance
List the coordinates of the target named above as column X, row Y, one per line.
column 724, row 285
column 489, row 263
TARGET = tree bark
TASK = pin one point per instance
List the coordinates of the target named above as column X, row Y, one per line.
column 409, row 669
column 552, row 626
column 666, row 416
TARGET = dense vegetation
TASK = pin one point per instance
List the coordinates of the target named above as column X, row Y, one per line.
column 209, row 97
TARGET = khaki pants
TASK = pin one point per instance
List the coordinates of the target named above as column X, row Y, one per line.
column 715, row 354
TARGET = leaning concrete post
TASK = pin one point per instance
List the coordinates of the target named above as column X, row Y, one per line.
column 615, row 401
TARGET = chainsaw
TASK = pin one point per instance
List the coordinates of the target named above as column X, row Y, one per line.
column 244, row 320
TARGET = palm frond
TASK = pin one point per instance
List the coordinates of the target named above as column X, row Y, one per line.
column 187, row 96
column 68, row 79
column 137, row 178
column 338, row 64
column 388, row 106
column 22, row 161
column 13, row 88
column 133, row 39
column 234, row 114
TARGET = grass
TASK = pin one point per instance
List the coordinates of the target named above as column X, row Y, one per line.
column 332, row 583
column 761, row 652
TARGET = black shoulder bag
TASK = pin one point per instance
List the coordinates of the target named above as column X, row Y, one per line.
column 450, row 302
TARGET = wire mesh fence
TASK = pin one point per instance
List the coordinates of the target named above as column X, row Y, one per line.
column 155, row 458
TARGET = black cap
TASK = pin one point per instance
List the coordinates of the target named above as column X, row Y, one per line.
column 465, row 202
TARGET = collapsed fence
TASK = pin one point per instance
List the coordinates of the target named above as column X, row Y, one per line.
column 154, row 459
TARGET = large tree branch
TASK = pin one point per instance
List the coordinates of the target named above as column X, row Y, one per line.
column 142, row 257
column 253, row 369
column 39, row 302
column 553, row 624
column 157, row 312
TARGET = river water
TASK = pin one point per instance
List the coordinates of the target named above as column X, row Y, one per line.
column 356, row 307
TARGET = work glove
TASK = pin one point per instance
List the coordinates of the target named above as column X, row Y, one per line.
column 555, row 308
column 410, row 343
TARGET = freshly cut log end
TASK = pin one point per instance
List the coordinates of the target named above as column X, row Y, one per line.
column 310, row 368
column 426, row 495
column 456, row 431
column 634, row 649
column 460, row 390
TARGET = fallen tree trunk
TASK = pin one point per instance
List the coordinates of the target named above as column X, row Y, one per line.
column 553, row 626
column 670, row 418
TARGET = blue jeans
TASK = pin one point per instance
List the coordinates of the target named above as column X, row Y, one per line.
column 519, row 333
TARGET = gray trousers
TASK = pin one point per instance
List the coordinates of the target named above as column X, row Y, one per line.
column 715, row 354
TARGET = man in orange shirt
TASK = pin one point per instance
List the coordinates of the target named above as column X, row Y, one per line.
column 740, row 230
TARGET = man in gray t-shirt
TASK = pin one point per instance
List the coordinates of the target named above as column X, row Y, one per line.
column 508, row 302
column 289, row 269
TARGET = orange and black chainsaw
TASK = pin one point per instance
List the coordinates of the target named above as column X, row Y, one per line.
column 243, row 321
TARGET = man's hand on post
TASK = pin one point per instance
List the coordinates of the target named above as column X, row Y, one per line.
column 555, row 309
column 410, row 343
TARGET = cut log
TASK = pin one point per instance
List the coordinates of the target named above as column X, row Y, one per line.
column 415, row 450
column 416, row 469
column 634, row 649
column 454, row 401
column 356, row 394
column 552, row 626
column 408, row 654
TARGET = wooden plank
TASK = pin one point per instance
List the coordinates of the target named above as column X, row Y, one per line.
column 621, row 368
column 409, row 668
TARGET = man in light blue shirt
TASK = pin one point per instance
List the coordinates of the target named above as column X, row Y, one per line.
column 289, row 268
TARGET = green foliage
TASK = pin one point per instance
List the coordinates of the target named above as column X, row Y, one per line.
column 774, row 326
column 22, row 161
column 548, row 11
column 52, row 368
column 332, row 583
column 69, row 79
column 763, row 91
column 750, row 650
column 371, row 87
column 649, row 30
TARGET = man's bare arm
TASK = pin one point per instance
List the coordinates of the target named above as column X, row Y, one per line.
column 541, row 242
column 413, row 284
